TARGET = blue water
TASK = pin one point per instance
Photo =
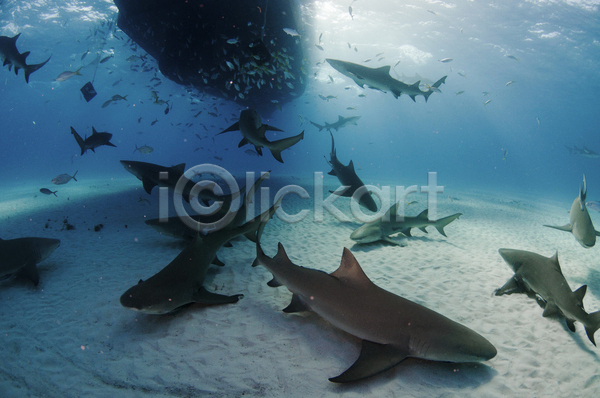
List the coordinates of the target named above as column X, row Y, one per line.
column 552, row 103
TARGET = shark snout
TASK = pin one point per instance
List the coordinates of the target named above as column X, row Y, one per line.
column 365, row 234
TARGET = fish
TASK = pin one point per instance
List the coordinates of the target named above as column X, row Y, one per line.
column 319, row 47
column 380, row 79
column 510, row 82
column 105, row 59
column 594, row 205
column 66, row 75
column 341, row 122
column 46, row 191
column 392, row 328
column 144, row 149
column 512, row 57
column 541, row 278
column 11, row 57
column 63, row 178
column 505, row 153
column 580, row 224
column 251, row 152
column 180, row 283
column 487, row 102
column 446, row 60
column 20, row 256
column 253, row 132
column 93, row 141
column 291, row 32
column 350, row 12
column 459, row 92
column 390, row 224
column 348, row 178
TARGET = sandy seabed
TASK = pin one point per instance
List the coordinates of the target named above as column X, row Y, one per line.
column 70, row 337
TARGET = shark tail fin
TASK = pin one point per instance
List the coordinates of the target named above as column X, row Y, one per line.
column 317, row 126
column 29, row 69
column 277, row 146
column 592, row 325
column 442, row 222
column 79, row 140
column 73, row 176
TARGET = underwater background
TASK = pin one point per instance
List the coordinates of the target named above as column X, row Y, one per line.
column 510, row 134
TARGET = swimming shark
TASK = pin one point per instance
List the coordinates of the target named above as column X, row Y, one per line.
column 342, row 122
column 348, row 178
column 585, row 152
column 541, row 277
column 580, row 224
column 11, row 57
column 380, row 79
column 380, row 229
column 20, row 256
column 93, row 141
column 392, row 328
column 253, row 132
column 180, row 282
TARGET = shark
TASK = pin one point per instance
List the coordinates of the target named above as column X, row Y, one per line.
column 541, row 278
column 392, row 328
column 580, row 224
column 381, row 229
column 585, row 152
column 348, row 178
column 180, row 283
column 20, row 256
column 93, row 141
column 11, row 57
column 342, row 122
column 253, row 132
column 380, row 79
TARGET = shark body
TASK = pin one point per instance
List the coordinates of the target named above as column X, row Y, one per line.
column 580, row 224
column 253, row 132
column 585, row 152
column 348, row 178
column 387, row 225
column 93, row 141
column 540, row 276
column 20, row 256
column 11, row 57
column 391, row 327
column 341, row 122
column 380, row 79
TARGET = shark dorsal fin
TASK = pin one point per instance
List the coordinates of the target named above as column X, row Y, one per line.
column 554, row 260
column 350, row 271
column 94, row 131
column 340, row 118
column 351, row 165
column 179, row 169
column 281, row 255
column 580, row 293
column 384, row 69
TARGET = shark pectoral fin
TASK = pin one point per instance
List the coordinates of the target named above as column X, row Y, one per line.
column 274, row 283
column 412, row 97
column 591, row 325
column 233, row 127
column 228, row 244
column 510, row 287
column 297, row 305
column 218, row 262
column 258, row 150
column 550, row 309
column 243, row 142
column 405, row 231
column 29, row 271
column 271, row 128
column 597, row 233
column 424, row 230
column 148, row 185
column 332, row 173
column 570, row 324
column 373, row 359
column 392, row 242
column 251, row 236
column 567, row 228
column 203, row 296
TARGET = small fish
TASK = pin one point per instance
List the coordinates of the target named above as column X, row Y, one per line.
column 537, row 119
column 349, row 45
column 362, row 95
column 144, row 149
column 505, row 153
column 487, row 102
column 301, row 120
column 154, row 122
column 462, row 74
column 117, row 82
column 140, row 120
column 411, row 203
column 66, row 75
column 251, row 152
column 396, row 64
column 593, row 205
column 291, row 32
column 351, row 108
column 432, row 12
column 367, row 60
column 319, row 47
column 63, row 178
column 142, row 200
column 445, row 60
column 486, row 93
column 232, row 41
column 350, row 12
column 459, row 92
column 320, row 37
column 218, row 157
column 107, row 103
column 46, row 191
column 513, row 57
column 84, row 54
column 118, row 97
column 510, row 82
column 103, row 60
column 380, row 54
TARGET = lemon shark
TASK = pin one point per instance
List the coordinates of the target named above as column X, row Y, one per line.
column 541, row 278
column 392, row 328
column 253, row 132
column 11, row 57
column 20, row 256
column 348, row 178
column 180, row 282
column 93, row 141
column 580, row 224
column 341, row 122
column 386, row 225
column 380, row 79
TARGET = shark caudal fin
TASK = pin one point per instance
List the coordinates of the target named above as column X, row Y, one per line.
column 79, row 140
column 317, row 126
column 442, row 222
column 277, row 146
column 29, row 69
column 592, row 325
